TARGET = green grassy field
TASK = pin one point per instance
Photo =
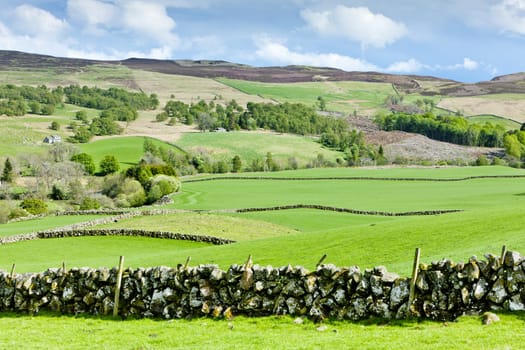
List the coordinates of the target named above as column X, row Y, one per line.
column 94, row 252
column 339, row 96
column 252, row 145
column 61, row 332
column 508, row 124
column 42, row 224
column 492, row 216
column 234, row 228
column 128, row 150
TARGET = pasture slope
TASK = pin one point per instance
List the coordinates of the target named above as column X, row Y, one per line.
column 492, row 201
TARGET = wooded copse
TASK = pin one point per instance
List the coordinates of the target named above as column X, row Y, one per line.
column 295, row 118
column 449, row 128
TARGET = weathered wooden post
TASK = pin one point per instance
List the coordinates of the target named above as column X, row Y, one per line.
column 320, row 261
column 415, row 269
column 503, row 253
column 188, row 259
column 117, row 287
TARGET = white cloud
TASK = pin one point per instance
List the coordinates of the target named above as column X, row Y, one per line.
column 357, row 24
column 278, row 53
column 37, row 22
column 410, row 66
column 509, row 16
column 149, row 19
column 95, row 15
column 413, row 66
column 143, row 21
column 470, row 64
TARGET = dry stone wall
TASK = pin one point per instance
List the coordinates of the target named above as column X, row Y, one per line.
column 443, row 290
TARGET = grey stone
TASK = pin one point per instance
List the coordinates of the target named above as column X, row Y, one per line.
column 512, row 258
column 376, row 286
column 515, row 303
column 480, row 289
column 498, row 293
column 399, row 292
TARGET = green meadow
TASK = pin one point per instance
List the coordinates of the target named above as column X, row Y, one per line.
column 491, row 200
column 344, row 96
column 508, row 124
column 128, row 150
column 250, row 145
column 256, row 333
column 491, row 216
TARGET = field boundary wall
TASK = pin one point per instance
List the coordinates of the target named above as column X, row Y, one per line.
column 442, row 290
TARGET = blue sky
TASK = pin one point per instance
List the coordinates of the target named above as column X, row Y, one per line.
column 465, row 40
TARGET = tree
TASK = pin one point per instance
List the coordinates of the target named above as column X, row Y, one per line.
column 82, row 135
column 7, row 174
column 58, row 193
column 236, row 164
column 205, row 122
column 109, row 165
column 48, row 109
column 86, row 160
column 322, row 103
column 512, row 146
column 55, row 125
column 35, row 107
column 269, row 163
column 82, row 116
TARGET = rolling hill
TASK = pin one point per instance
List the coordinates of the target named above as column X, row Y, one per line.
column 425, row 85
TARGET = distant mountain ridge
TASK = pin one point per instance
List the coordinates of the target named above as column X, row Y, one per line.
column 513, row 83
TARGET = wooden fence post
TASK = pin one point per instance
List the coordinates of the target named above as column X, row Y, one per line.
column 320, row 261
column 415, row 269
column 13, row 270
column 503, row 253
column 188, row 259
column 117, row 287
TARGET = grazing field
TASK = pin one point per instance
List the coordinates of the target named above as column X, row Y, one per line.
column 42, row 224
column 237, row 229
column 492, row 215
column 103, row 76
column 362, row 97
column 508, row 124
column 95, row 252
column 128, row 150
column 48, row 331
column 19, row 136
column 252, row 145
column 511, row 106
column 190, row 89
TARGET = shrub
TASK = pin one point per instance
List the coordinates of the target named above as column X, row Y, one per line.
column 482, row 161
column 131, row 194
column 89, row 203
column 16, row 213
column 55, row 125
column 58, row 193
column 161, row 117
column 161, row 185
column 34, row 206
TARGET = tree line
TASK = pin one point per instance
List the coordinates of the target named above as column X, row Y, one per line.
column 19, row 100
column 449, row 128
